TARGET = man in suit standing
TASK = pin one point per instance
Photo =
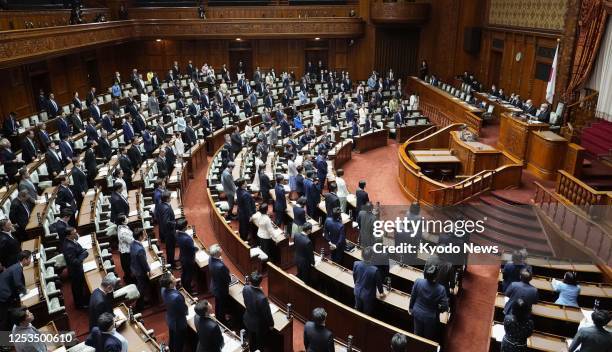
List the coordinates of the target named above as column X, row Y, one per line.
column 367, row 280
column 61, row 224
column 331, row 199
column 104, row 149
column 167, row 226
column 52, row 107
column 427, row 300
column 176, row 312
column 246, row 209
column 119, row 205
column 91, row 97
column 280, row 203
column 210, row 338
column 361, row 197
column 139, row 266
column 53, row 159
column 63, row 126
column 335, row 234
column 126, row 165
column 26, row 184
column 318, row 338
column 304, row 252
column 12, row 286
column 66, row 149
column 219, row 282
column 65, row 197
column 229, row 188
column 29, row 151
column 76, row 121
column 10, row 125
column 20, row 213
column 162, row 166
column 594, row 338
column 79, row 180
column 521, row 289
column 184, row 241
column 101, row 300
column 75, row 254
column 321, row 165
column 104, row 337
column 257, row 317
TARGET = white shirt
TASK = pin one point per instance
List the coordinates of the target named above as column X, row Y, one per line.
column 292, row 168
column 179, row 146
column 342, row 192
column 125, row 237
column 362, row 116
column 265, row 230
column 181, row 124
column 316, row 117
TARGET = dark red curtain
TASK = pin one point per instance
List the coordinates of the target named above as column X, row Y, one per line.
column 591, row 27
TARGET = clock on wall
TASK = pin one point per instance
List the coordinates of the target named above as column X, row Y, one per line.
column 518, row 56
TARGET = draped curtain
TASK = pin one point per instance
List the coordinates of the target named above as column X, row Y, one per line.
column 601, row 79
column 591, row 27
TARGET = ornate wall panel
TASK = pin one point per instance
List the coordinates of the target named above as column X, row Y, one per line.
column 382, row 12
column 539, row 14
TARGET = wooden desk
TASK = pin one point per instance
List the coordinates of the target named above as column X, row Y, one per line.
column 500, row 107
column 341, row 153
column 134, row 332
column 371, row 140
column 39, row 212
column 475, row 156
column 282, row 336
column 195, row 156
column 216, row 140
column 404, row 132
column 369, row 333
column 542, row 266
column 442, row 108
column 514, row 136
column 87, row 213
column 545, row 154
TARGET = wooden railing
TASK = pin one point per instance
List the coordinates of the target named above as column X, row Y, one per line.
column 465, row 190
column 581, row 230
column 580, row 114
column 595, row 204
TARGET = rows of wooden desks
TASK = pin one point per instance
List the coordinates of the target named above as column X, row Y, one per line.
column 371, row 140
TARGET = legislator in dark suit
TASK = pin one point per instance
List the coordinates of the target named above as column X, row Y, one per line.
column 176, row 311
column 258, row 317
column 361, row 198
column 335, row 233
column 167, row 228
column 210, row 338
column 20, row 216
column 246, row 209
column 318, row 338
column 75, row 254
column 140, row 270
column 523, row 290
column 427, row 300
column 65, row 198
column 104, row 149
column 367, row 280
column 304, row 255
column 219, row 283
column 103, row 341
column 80, row 185
column 280, row 204
column 119, row 205
column 28, row 149
column 187, row 257
column 53, row 161
column 331, row 202
column 162, row 167
column 12, row 284
column 99, row 302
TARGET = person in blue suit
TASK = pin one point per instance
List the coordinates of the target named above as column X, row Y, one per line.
column 312, row 189
column 12, row 284
column 75, row 254
column 176, row 312
column 521, row 289
column 63, row 127
column 257, row 316
column 512, row 270
column 187, row 254
column 66, row 149
column 107, row 122
column 246, row 209
column 128, row 130
column 219, row 282
column 427, row 300
column 367, row 280
column 280, row 203
column 167, row 223
column 321, row 165
column 139, row 266
column 335, row 235
column 104, row 337
column 149, row 142
column 101, row 300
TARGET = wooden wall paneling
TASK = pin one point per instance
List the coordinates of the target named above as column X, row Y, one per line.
column 397, row 48
column 59, row 80
column 17, row 96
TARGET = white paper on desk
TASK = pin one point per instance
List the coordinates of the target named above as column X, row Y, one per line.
column 61, row 349
column 317, row 260
column 201, row 256
column 85, row 242
column 273, row 308
column 119, row 314
column 174, row 194
column 155, row 265
column 133, row 213
column 89, row 266
column 498, row 332
column 231, row 344
column 40, row 200
column 90, row 193
column 191, row 312
column 30, row 294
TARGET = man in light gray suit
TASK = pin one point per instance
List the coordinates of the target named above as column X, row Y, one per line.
column 153, row 104
column 26, row 184
column 229, row 188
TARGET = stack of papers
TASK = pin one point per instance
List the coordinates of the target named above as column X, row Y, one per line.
column 30, row 294
column 89, row 266
column 155, row 265
column 85, row 242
